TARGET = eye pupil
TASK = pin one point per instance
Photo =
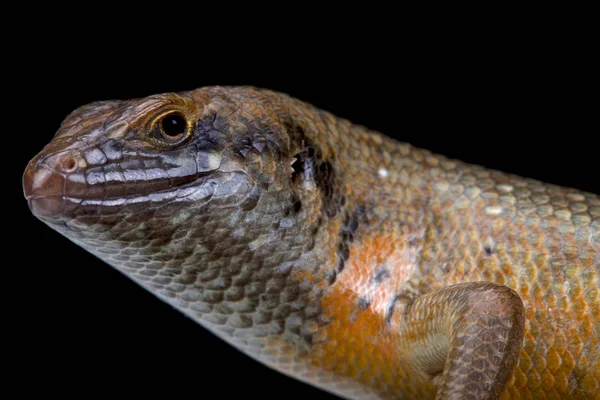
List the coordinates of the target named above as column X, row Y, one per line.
column 173, row 125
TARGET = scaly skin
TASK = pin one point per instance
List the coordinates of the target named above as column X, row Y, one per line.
column 361, row 265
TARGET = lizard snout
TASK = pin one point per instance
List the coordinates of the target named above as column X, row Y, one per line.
column 44, row 183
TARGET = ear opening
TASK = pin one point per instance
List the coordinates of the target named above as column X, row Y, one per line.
column 304, row 168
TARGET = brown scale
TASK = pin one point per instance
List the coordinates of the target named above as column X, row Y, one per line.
column 358, row 264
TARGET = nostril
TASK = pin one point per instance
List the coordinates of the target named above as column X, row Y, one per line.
column 69, row 164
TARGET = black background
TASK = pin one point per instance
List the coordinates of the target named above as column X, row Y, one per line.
column 82, row 327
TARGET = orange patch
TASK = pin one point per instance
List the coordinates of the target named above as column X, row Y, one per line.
column 358, row 342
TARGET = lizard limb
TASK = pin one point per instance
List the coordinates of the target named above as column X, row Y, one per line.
column 468, row 336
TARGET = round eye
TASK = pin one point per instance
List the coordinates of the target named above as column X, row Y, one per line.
column 172, row 127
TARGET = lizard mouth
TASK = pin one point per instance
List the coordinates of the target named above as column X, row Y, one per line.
column 58, row 189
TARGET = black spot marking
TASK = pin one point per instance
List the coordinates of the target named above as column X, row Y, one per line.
column 325, row 182
column 343, row 255
column 347, row 236
column 315, row 229
column 286, row 211
column 408, row 303
column 363, row 303
column 292, row 206
column 311, row 166
column 390, row 310
column 308, row 338
column 297, row 204
column 381, row 275
column 344, row 250
column 352, row 220
column 350, row 225
column 488, row 250
column 331, row 278
column 341, row 263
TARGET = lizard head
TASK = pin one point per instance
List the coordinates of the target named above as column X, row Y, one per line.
column 108, row 156
column 173, row 188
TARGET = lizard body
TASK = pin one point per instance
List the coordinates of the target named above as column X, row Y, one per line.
column 361, row 265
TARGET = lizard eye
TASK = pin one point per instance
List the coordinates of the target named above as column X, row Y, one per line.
column 171, row 128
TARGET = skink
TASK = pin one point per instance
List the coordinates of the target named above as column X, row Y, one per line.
column 366, row 267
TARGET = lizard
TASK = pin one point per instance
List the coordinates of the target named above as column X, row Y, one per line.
column 361, row 265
